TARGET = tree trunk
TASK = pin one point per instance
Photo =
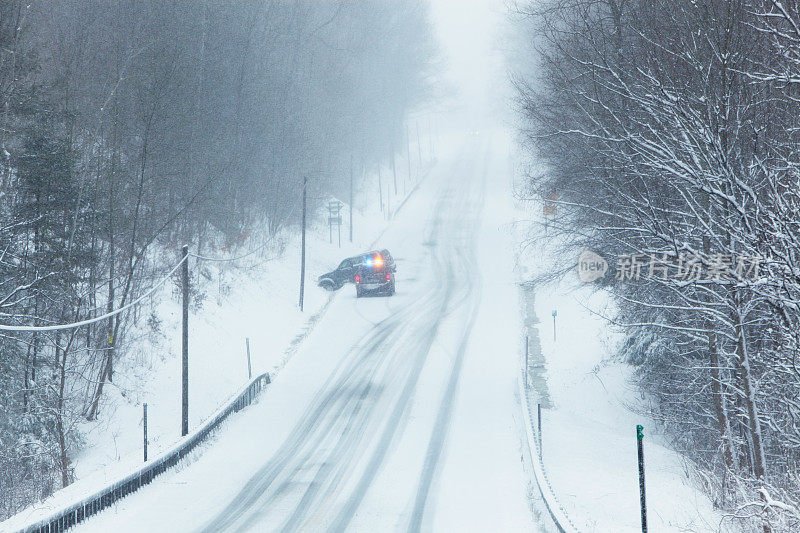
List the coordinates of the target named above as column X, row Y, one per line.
column 748, row 398
column 723, row 425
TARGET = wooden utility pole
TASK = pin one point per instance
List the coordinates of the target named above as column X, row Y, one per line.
column 394, row 170
column 185, row 344
column 351, row 198
column 303, row 246
column 380, row 187
column 408, row 151
column 430, row 136
column 419, row 150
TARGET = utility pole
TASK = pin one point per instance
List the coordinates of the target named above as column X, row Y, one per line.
column 408, row 151
column 394, row 170
column 337, row 219
column 185, row 343
column 430, row 136
column 351, row 198
column 303, row 246
column 419, row 150
column 380, row 187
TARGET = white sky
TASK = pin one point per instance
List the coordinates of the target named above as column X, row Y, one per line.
column 468, row 32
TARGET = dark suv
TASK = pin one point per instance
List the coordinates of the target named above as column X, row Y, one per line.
column 375, row 276
column 347, row 269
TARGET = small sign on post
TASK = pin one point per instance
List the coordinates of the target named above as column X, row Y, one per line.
column 549, row 207
column 640, row 451
column 555, row 313
column 335, row 217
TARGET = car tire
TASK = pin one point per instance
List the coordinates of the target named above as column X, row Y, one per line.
column 358, row 292
column 391, row 289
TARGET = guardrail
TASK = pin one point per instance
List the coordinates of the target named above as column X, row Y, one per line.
column 76, row 512
column 554, row 507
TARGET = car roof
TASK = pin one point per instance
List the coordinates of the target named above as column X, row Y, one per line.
column 371, row 252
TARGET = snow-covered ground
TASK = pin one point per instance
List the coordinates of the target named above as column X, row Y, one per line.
column 256, row 298
column 591, row 408
column 395, row 413
column 401, row 413
column 391, row 413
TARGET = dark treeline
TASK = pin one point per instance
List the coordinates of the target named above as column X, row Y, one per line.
column 128, row 128
column 670, row 130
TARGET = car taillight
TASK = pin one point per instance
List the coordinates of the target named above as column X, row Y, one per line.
column 388, row 277
column 358, row 278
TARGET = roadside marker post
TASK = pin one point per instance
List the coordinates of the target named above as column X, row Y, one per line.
column 640, row 450
column 249, row 368
column 555, row 313
column 144, row 427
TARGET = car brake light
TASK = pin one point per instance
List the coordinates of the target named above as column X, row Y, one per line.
column 388, row 277
column 358, row 278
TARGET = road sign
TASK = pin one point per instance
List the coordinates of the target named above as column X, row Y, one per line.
column 335, row 218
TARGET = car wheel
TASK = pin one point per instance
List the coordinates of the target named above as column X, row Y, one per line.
column 391, row 289
column 358, row 292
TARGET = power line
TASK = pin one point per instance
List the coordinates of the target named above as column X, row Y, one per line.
column 55, row 327
column 226, row 259
column 7, row 327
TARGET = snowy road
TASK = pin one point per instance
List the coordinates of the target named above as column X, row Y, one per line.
column 398, row 413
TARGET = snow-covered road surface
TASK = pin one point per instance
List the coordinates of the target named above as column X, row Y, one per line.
column 397, row 413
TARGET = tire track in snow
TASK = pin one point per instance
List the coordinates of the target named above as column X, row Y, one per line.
column 301, row 485
column 466, row 254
